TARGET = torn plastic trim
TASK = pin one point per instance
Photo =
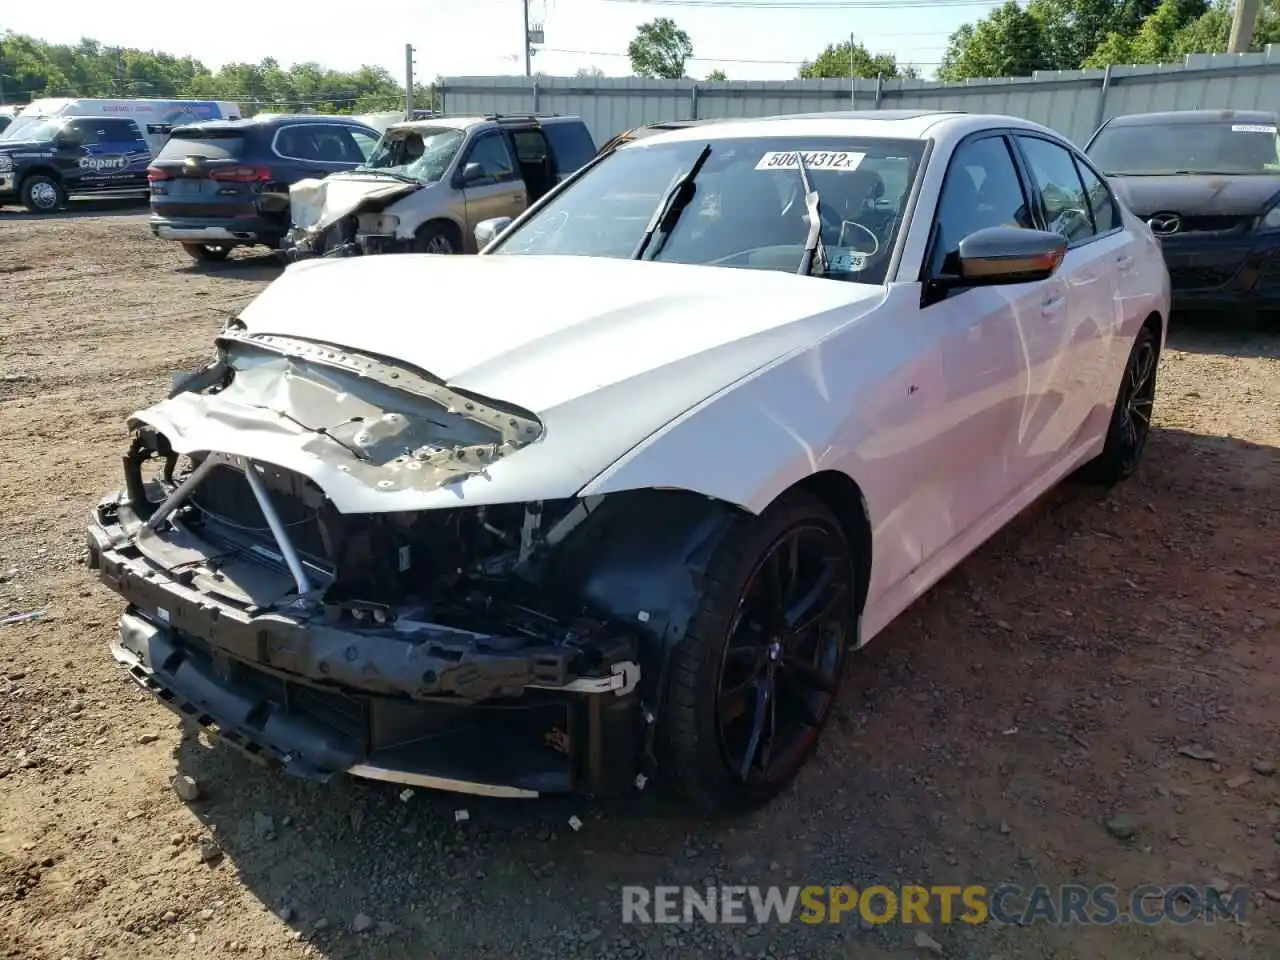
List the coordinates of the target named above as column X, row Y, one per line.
column 386, row 426
column 235, row 717
column 516, row 425
column 432, row 782
column 415, row 658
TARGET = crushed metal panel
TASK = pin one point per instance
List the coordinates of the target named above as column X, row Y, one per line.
column 315, row 205
column 388, row 427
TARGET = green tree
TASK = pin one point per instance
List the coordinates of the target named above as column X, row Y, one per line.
column 1209, row 32
column 835, row 61
column 717, row 76
column 660, row 50
column 1071, row 30
column 1153, row 43
column 1068, row 34
column 33, row 68
column 1008, row 42
column 585, row 73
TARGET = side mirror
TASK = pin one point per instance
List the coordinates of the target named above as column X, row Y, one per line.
column 486, row 230
column 998, row 255
column 472, row 172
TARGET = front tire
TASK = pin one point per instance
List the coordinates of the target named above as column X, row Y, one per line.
column 41, row 194
column 436, row 238
column 207, row 252
column 754, row 680
column 1131, row 416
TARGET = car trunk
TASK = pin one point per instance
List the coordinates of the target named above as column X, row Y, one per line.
column 204, row 173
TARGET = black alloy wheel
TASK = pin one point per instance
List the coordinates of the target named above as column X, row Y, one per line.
column 1131, row 418
column 1138, row 396
column 780, row 669
column 755, row 680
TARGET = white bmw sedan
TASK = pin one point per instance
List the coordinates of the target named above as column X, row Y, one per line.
column 616, row 497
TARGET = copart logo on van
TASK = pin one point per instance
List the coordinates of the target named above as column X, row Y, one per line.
column 103, row 163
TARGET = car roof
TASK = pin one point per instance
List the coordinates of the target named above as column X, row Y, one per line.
column 1191, row 116
column 885, row 124
column 467, row 121
column 270, row 119
column 266, row 120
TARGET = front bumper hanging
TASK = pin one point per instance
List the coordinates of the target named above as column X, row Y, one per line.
column 414, row 703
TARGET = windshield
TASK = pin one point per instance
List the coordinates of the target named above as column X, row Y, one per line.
column 1211, row 146
column 33, row 128
column 423, row 153
column 747, row 207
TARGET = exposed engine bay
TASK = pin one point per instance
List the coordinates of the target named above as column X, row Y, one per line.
column 259, row 606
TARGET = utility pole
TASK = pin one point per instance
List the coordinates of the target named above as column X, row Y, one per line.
column 853, row 84
column 1242, row 24
column 408, row 81
column 528, row 58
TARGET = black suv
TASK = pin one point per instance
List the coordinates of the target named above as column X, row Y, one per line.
column 225, row 183
column 60, row 157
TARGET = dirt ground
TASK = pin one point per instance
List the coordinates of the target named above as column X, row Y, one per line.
column 1048, row 687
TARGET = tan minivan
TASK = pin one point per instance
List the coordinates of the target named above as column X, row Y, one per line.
column 428, row 183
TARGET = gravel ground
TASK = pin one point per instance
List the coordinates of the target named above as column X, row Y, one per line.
column 1053, row 692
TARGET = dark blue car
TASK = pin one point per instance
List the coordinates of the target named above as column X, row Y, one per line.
column 225, row 183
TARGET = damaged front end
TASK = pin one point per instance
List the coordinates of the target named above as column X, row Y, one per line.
column 343, row 216
column 505, row 650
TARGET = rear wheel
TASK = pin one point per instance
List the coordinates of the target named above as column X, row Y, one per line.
column 41, row 194
column 755, row 678
column 207, row 252
column 1131, row 417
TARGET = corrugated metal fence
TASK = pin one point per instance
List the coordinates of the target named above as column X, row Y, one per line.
column 1073, row 102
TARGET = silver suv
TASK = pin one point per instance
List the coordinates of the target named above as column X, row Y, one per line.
column 429, row 183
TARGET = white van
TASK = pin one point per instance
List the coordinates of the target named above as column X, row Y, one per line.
column 63, row 147
column 155, row 118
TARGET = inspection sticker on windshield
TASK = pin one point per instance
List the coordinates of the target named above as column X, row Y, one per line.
column 813, row 160
column 1252, row 128
column 846, row 261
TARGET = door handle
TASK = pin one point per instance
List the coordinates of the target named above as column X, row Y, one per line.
column 1125, row 262
column 1052, row 305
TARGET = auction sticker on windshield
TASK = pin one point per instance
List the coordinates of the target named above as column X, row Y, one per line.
column 839, row 160
column 1252, row 128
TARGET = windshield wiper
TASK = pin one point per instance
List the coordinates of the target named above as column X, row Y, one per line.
column 677, row 198
column 384, row 172
column 813, row 243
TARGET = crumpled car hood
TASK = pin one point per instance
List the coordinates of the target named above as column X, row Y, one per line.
column 603, row 352
column 316, row 204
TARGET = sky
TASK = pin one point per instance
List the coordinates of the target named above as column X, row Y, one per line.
column 747, row 39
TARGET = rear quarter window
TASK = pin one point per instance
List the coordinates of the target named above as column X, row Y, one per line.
column 213, row 145
column 571, row 143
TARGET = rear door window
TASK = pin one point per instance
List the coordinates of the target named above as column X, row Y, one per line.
column 120, row 131
column 85, row 131
column 571, row 145
column 297, row 143
column 1106, row 215
column 1066, row 211
column 334, row 144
